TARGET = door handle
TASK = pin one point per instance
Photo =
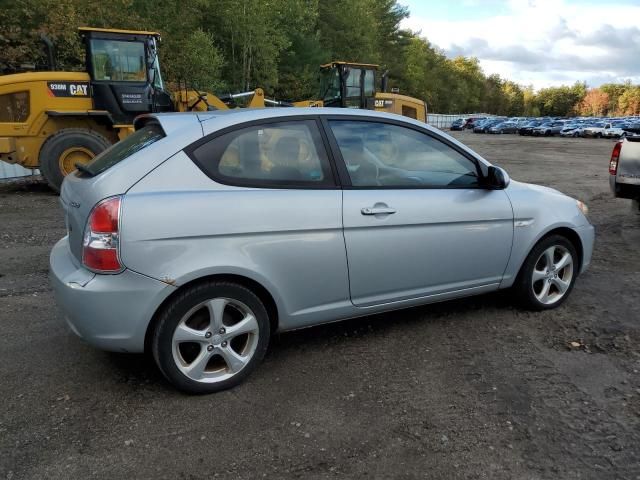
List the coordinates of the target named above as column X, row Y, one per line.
column 377, row 211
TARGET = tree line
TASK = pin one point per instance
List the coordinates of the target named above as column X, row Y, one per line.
column 235, row 45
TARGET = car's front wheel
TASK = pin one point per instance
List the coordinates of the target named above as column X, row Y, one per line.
column 211, row 337
column 548, row 274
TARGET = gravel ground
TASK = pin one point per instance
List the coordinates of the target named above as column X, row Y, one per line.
column 466, row 389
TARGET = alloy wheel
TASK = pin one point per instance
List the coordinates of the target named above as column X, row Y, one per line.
column 215, row 340
column 552, row 274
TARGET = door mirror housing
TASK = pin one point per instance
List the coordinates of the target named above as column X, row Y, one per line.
column 497, row 178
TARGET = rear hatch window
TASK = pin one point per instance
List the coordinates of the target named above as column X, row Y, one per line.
column 135, row 142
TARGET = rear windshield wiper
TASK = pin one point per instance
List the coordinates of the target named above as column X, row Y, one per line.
column 84, row 169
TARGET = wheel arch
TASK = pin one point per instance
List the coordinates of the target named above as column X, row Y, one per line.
column 570, row 235
column 567, row 232
column 256, row 287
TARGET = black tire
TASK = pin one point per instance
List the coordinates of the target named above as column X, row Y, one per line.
column 523, row 286
column 598, row 135
column 60, row 142
column 171, row 316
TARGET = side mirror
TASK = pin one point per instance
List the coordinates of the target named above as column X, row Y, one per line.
column 497, row 178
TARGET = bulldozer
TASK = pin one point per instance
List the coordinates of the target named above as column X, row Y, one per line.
column 54, row 120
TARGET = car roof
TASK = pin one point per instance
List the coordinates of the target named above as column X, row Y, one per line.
column 249, row 114
column 216, row 120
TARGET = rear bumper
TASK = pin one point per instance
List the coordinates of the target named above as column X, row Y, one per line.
column 110, row 312
column 624, row 190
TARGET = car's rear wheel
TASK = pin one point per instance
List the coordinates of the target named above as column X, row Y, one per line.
column 211, row 337
column 548, row 274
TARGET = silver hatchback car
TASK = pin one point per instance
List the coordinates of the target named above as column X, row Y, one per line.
column 200, row 235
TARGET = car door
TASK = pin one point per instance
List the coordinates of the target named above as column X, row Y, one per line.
column 416, row 220
column 273, row 211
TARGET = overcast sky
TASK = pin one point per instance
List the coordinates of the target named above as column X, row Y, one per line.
column 537, row 42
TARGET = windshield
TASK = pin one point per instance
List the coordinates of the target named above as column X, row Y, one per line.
column 116, row 60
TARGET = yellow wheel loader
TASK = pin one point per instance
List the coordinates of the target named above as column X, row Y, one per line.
column 55, row 120
column 353, row 85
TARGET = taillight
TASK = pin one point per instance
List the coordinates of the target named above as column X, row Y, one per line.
column 615, row 155
column 100, row 249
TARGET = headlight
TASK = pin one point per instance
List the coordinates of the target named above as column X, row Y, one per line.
column 583, row 207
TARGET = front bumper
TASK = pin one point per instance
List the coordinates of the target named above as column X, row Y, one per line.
column 110, row 312
column 587, row 234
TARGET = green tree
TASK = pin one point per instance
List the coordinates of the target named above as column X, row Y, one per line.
column 467, row 84
column 234, row 45
column 561, row 101
column 426, row 74
column 197, row 60
column 493, row 99
column 629, row 101
column 530, row 104
column 614, row 92
column 513, row 99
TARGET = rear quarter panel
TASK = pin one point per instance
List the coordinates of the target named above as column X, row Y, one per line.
column 79, row 194
column 178, row 225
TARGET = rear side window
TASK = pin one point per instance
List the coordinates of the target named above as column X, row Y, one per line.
column 14, row 107
column 283, row 154
column 125, row 148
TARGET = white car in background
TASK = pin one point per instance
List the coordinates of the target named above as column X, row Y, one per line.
column 572, row 131
column 597, row 130
column 614, row 132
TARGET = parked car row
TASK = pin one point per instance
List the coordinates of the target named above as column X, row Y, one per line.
column 566, row 127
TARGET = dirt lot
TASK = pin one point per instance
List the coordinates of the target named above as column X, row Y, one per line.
column 465, row 389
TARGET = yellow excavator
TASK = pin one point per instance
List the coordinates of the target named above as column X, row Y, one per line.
column 53, row 120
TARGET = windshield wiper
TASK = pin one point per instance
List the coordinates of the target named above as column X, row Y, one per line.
column 84, row 169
